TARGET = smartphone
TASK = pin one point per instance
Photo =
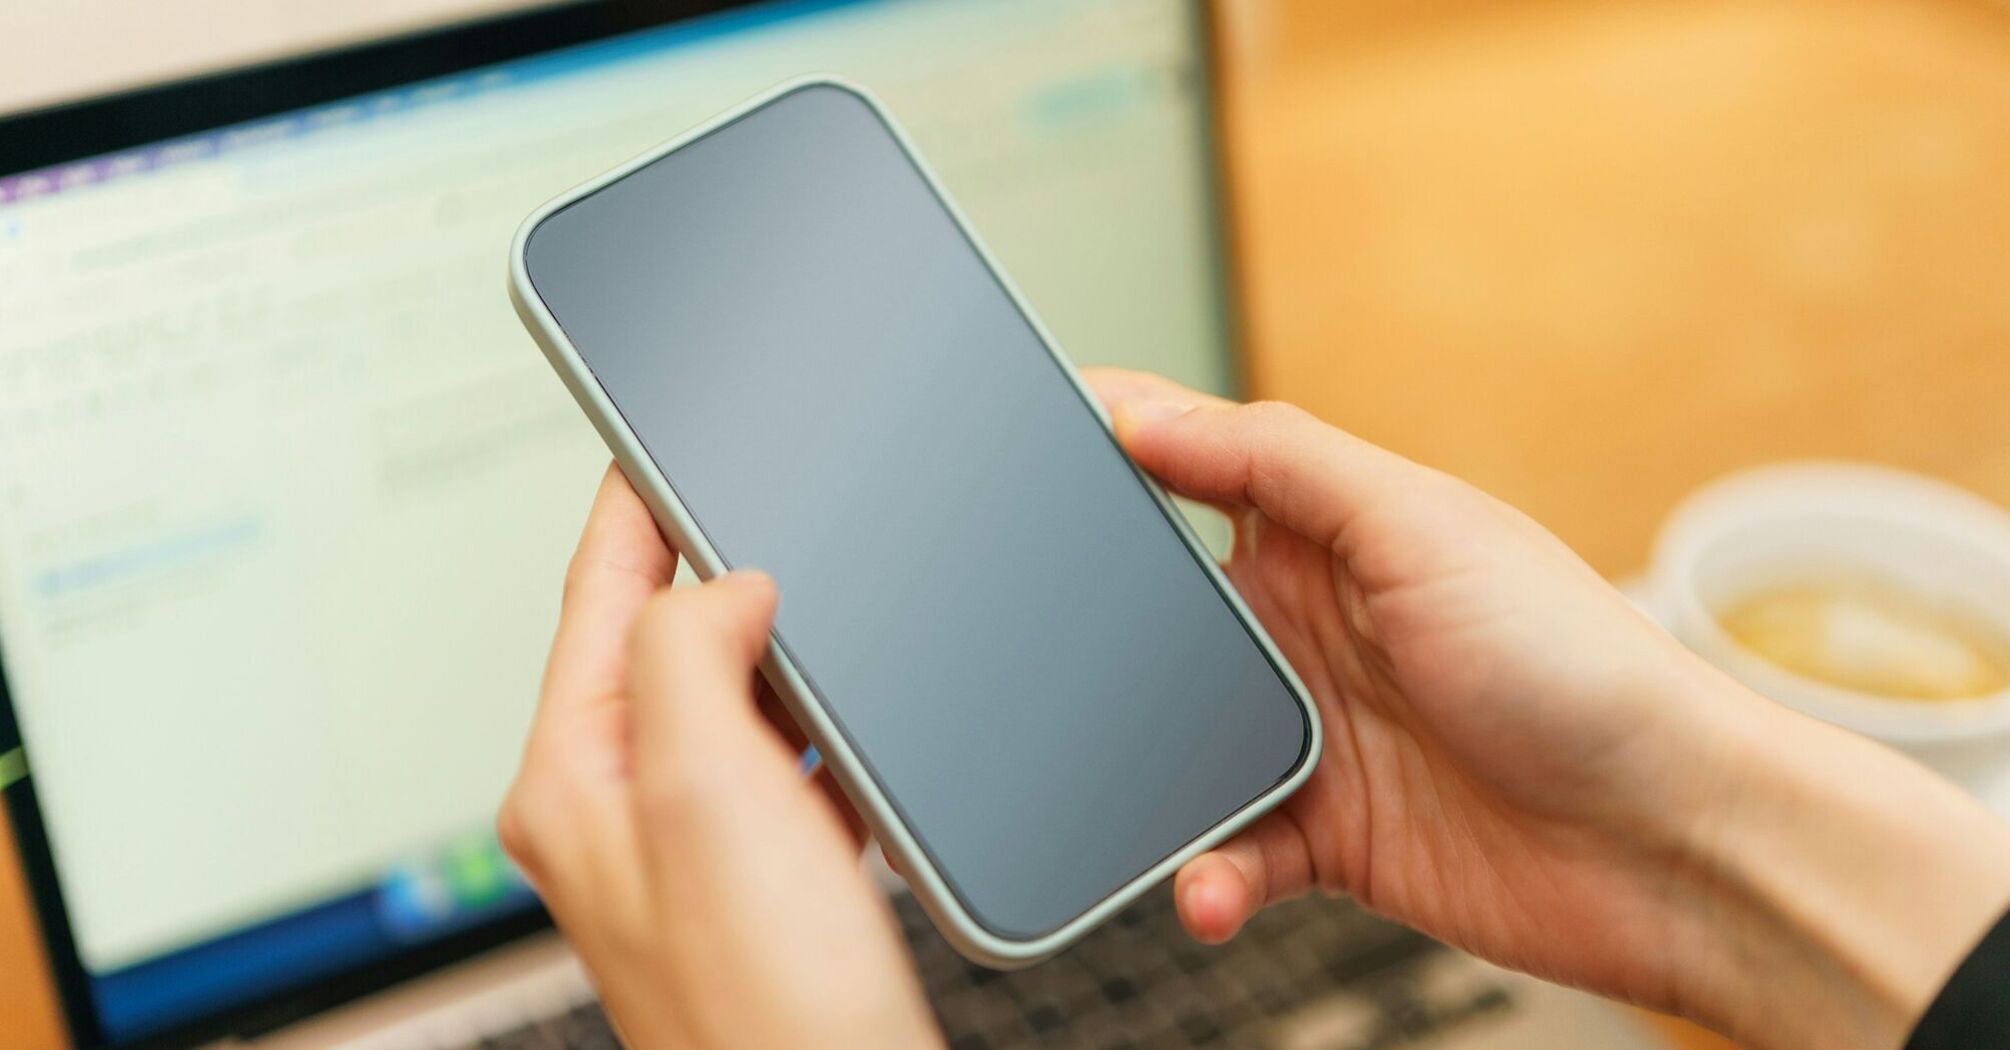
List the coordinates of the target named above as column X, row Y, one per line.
column 1028, row 675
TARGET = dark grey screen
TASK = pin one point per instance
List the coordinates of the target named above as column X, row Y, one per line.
column 973, row 580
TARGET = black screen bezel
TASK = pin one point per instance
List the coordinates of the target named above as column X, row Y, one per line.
column 72, row 131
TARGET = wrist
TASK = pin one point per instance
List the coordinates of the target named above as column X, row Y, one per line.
column 1836, row 882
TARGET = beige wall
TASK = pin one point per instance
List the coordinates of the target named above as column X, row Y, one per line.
column 51, row 52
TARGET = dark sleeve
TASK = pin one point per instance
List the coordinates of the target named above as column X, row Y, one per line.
column 1974, row 1009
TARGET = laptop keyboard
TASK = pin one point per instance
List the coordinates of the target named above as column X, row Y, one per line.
column 1313, row 974
column 580, row 1028
column 1140, row 982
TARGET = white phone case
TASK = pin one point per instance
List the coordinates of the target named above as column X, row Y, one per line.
column 950, row 916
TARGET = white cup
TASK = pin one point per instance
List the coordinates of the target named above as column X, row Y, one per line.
column 1782, row 524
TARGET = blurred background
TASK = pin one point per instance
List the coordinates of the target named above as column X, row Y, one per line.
column 1591, row 256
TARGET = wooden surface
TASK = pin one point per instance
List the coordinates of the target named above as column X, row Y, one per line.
column 28, row 1015
column 1590, row 254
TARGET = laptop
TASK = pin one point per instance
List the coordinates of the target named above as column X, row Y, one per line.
column 286, row 496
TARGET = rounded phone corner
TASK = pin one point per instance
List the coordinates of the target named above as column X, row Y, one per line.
column 522, row 289
column 979, row 944
column 1313, row 741
column 827, row 82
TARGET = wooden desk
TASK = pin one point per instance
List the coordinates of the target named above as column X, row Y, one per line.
column 1592, row 253
column 28, row 1016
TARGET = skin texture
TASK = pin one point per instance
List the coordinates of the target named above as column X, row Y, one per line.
column 1519, row 764
column 1516, row 763
column 713, row 893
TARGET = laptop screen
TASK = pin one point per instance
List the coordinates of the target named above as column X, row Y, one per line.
column 286, row 493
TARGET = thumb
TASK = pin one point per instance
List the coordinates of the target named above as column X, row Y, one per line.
column 692, row 656
column 1302, row 473
column 1220, row 890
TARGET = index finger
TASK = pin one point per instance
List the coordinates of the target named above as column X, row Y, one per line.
column 1309, row 476
column 1116, row 387
column 622, row 560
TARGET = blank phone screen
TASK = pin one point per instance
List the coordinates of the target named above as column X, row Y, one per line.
column 982, row 593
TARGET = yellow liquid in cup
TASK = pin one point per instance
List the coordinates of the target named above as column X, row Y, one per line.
column 1869, row 636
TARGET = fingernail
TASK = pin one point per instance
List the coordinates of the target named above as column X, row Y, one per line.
column 751, row 578
column 1139, row 413
column 1208, row 906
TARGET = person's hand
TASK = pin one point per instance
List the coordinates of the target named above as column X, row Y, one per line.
column 1519, row 763
column 713, row 893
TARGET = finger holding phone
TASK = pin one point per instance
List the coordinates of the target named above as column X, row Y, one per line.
column 1606, row 835
column 1523, row 766
column 713, row 893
